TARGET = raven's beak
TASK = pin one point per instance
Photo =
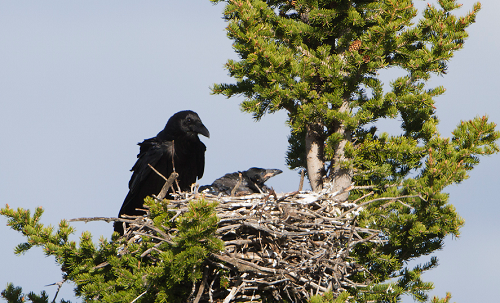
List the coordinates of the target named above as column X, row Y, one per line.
column 271, row 173
column 202, row 130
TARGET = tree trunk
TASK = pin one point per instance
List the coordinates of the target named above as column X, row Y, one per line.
column 341, row 177
column 314, row 157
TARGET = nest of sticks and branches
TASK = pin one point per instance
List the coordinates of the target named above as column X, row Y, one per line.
column 278, row 247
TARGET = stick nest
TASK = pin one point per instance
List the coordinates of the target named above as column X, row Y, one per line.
column 278, row 247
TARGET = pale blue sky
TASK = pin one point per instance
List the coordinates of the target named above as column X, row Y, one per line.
column 81, row 82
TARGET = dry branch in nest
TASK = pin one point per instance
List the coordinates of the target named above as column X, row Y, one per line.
column 288, row 246
column 282, row 247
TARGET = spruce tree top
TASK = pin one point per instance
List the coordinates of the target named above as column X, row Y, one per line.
column 319, row 60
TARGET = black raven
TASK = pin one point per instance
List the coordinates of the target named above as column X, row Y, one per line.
column 252, row 181
column 177, row 147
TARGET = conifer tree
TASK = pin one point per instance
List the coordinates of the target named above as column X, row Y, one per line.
column 145, row 269
column 319, row 61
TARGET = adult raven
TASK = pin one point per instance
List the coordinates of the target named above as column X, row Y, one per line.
column 176, row 148
column 252, row 181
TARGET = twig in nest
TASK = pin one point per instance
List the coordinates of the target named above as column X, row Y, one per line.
column 157, row 172
column 86, row 220
column 211, row 289
column 172, row 152
column 173, row 167
column 364, row 196
column 286, row 196
column 167, row 185
column 377, row 199
column 302, row 175
column 236, row 288
column 202, row 285
column 179, row 212
column 194, row 189
column 260, row 190
column 154, row 237
column 168, row 182
column 271, row 193
column 192, row 288
column 233, row 191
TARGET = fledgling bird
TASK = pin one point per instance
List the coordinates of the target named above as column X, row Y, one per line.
column 252, row 181
column 177, row 147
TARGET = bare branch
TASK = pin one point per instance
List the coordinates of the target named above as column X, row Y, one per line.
column 163, row 192
column 202, row 285
column 302, row 175
column 235, row 188
column 139, row 296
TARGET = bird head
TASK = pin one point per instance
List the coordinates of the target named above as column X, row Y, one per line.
column 191, row 124
column 186, row 122
column 261, row 175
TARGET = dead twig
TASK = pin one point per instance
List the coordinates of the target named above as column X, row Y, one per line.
column 202, row 285
column 59, row 285
column 139, row 296
column 163, row 192
column 302, row 175
column 235, row 188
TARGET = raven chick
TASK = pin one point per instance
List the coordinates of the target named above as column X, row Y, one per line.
column 252, row 181
column 176, row 148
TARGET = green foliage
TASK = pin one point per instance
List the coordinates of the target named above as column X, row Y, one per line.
column 328, row 298
column 309, row 57
column 443, row 300
column 148, row 270
column 14, row 294
column 319, row 61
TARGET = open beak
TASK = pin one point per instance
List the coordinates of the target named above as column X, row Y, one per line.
column 271, row 173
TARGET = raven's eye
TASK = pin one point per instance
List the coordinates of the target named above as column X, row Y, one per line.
column 189, row 120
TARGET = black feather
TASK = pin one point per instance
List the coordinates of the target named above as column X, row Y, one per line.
column 177, row 147
column 252, row 181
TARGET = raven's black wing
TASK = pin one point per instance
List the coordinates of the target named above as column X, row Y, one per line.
column 151, row 152
column 227, row 183
column 200, row 159
column 144, row 181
